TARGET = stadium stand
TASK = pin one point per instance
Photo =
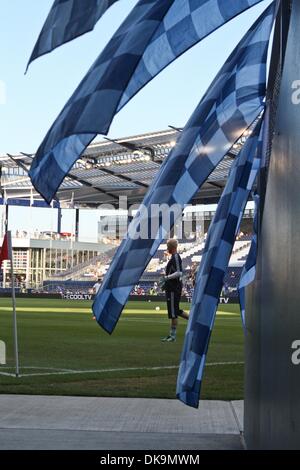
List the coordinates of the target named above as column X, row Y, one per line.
column 92, row 268
column 80, row 280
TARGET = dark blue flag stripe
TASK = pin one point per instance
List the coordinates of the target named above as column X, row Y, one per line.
column 231, row 104
column 154, row 34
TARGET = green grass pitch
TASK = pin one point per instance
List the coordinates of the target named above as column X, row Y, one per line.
column 64, row 352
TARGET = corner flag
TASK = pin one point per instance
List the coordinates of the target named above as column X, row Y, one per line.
column 6, row 254
column 4, row 251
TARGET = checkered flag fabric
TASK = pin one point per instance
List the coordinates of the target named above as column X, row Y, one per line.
column 154, row 34
column 249, row 269
column 67, row 20
column 233, row 101
column 218, row 248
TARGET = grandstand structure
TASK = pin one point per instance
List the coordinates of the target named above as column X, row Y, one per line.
column 37, row 259
column 108, row 172
column 81, row 278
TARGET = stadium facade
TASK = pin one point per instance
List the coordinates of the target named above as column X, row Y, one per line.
column 38, row 259
column 110, row 175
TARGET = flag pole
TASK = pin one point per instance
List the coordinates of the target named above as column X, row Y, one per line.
column 16, row 348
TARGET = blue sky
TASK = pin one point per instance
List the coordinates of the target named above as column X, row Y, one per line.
column 32, row 101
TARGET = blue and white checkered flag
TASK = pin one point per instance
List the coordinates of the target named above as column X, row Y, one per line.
column 215, row 260
column 154, row 34
column 67, row 20
column 249, row 269
column 233, row 101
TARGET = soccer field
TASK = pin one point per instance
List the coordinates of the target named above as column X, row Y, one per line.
column 64, row 352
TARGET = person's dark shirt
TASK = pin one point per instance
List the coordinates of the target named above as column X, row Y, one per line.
column 174, row 265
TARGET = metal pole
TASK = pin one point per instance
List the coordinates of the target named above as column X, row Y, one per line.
column 272, row 379
column 6, row 217
column 77, row 224
column 16, row 348
column 59, row 217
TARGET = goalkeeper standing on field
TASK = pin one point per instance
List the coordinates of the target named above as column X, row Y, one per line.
column 173, row 288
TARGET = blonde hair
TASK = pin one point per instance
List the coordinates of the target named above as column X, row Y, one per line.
column 172, row 243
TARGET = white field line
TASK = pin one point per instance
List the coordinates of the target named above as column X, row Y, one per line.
column 60, row 369
column 160, row 321
column 162, row 312
column 100, row 371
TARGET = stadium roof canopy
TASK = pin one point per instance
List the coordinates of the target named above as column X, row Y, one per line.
column 110, row 169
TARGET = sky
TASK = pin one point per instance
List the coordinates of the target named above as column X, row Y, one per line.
column 30, row 103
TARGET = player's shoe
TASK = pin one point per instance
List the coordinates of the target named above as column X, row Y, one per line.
column 169, row 339
column 165, row 339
